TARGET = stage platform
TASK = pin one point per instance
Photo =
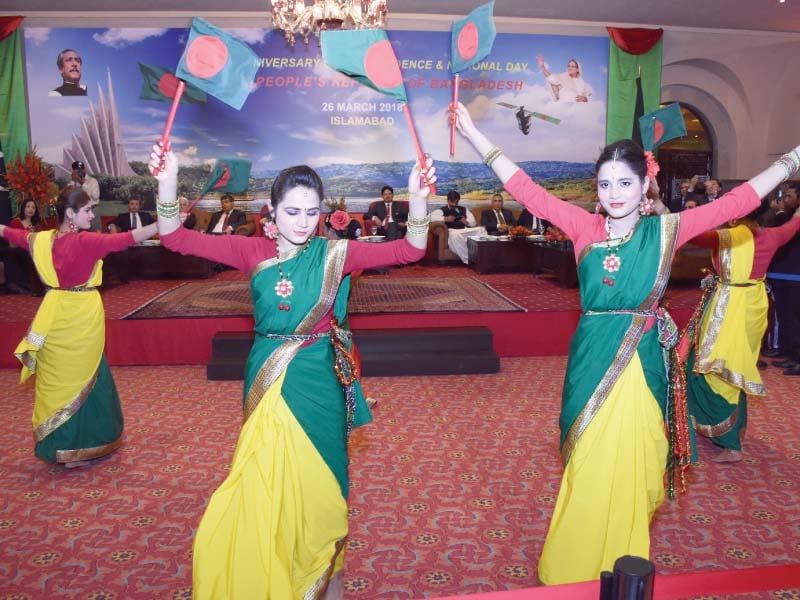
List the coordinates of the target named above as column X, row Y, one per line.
column 543, row 329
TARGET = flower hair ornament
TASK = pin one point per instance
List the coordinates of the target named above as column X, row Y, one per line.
column 652, row 165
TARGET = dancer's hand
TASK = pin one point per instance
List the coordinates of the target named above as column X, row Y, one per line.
column 463, row 120
column 420, row 180
column 165, row 161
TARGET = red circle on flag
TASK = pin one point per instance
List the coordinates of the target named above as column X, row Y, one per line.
column 658, row 130
column 467, row 41
column 206, row 56
column 380, row 65
column 224, row 178
column 168, row 85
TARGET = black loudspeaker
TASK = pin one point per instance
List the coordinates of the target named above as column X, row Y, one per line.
column 633, row 579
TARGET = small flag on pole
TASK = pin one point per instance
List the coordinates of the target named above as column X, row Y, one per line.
column 160, row 83
column 367, row 56
column 218, row 63
column 230, row 174
column 661, row 126
column 471, row 41
column 472, row 38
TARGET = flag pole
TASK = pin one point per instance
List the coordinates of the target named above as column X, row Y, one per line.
column 453, row 123
column 420, row 153
column 176, row 100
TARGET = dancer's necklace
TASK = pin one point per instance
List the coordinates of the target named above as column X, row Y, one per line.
column 285, row 288
column 612, row 262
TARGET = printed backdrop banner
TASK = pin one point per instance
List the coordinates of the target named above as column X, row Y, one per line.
column 300, row 111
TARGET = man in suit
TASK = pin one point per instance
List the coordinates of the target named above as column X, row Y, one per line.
column 133, row 219
column 532, row 222
column 678, row 203
column 69, row 65
column 498, row 220
column 713, row 188
column 227, row 220
column 387, row 216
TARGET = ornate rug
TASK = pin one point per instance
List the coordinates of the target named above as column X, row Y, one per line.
column 369, row 295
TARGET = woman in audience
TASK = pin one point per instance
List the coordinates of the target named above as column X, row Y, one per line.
column 76, row 415
column 18, row 263
column 613, row 442
column 277, row 526
column 726, row 330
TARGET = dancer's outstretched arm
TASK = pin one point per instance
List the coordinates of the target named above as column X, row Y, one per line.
column 503, row 167
column 167, row 203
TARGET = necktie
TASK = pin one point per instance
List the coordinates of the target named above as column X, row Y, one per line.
column 134, row 221
column 225, row 223
column 500, row 219
column 388, row 214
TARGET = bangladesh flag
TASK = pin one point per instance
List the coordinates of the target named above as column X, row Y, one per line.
column 229, row 175
column 472, row 39
column 218, row 63
column 367, row 56
column 661, row 126
column 160, row 83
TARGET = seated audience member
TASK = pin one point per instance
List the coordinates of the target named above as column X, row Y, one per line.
column 678, row 203
column 532, row 222
column 133, row 219
column 187, row 218
column 788, row 204
column 386, row 216
column 690, row 203
column 461, row 225
column 17, row 261
column 227, row 220
column 498, row 220
column 713, row 189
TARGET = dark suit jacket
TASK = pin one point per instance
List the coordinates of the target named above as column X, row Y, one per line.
column 526, row 220
column 399, row 215
column 236, row 219
column 190, row 221
column 489, row 220
column 676, row 204
column 123, row 220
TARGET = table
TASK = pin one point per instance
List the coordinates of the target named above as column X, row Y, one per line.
column 154, row 261
column 558, row 260
column 490, row 255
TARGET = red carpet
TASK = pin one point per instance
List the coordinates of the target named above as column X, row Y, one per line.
column 453, row 488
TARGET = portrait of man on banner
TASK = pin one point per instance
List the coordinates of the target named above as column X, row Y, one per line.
column 70, row 66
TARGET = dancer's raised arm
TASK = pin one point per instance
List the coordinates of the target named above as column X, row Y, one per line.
column 167, row 205
column 503, row 167
column 419, row 182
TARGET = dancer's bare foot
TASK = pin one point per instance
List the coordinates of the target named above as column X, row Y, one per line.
column 728, row 456
column 77, row 463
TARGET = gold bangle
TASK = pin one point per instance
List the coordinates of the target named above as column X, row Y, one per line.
column 419, row 220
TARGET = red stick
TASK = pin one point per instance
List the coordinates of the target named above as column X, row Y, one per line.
column 191, row 206
column 453, row 124
column 420, row 154
column 170, row 118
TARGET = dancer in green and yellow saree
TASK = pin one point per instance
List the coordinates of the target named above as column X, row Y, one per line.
column 614, row 418
column 277, row 526
column 77, row 415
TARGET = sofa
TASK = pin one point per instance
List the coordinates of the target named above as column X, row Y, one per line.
column 203, row 218
column 439, row 251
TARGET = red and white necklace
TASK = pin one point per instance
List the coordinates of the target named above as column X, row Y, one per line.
column 612, row 262
column 284, row 288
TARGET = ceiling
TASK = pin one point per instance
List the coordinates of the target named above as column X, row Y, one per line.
column 754, row 15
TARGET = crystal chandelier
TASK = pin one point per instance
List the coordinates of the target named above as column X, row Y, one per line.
column 297, row 17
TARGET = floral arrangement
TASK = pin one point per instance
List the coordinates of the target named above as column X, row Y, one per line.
column 32, row 178
column 518, row 231
column 554, row 234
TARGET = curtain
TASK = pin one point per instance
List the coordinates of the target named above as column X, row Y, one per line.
column 14, row 135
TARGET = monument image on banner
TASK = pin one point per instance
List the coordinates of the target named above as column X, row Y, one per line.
column 298, row 110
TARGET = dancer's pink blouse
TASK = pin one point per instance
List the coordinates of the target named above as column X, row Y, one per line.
column 75, row 254
column 767, row 241
column 583, row 227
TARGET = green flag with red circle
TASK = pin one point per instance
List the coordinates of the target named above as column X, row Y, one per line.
column 367, row 56
column 230, row 174
column 160, row 83
column 218, row 63
column 661, row 126
column 472, row 38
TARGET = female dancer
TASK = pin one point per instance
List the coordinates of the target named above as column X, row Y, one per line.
column 76, row 416
column 613, row 443
column 18, row 265
column 277, row 525
column 726, row 330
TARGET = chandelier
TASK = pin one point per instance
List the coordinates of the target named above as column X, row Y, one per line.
column 296, row 17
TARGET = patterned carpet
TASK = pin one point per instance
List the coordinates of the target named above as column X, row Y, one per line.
column 368, row 295
column 453, row 487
